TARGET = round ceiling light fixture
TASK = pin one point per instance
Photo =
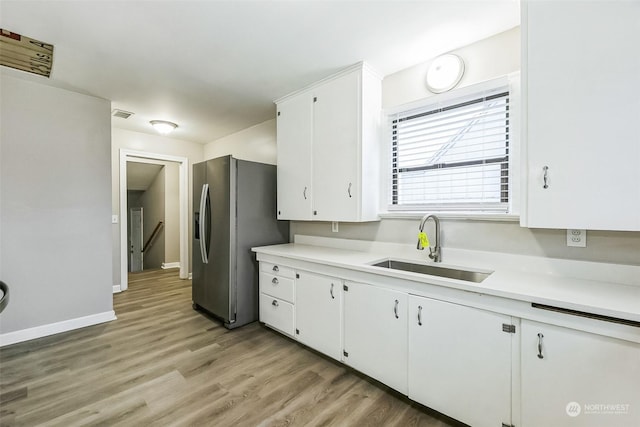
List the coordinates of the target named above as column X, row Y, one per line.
column 163, row 126
column 445, row 72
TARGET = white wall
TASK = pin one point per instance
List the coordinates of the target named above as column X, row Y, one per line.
column 485, row 59
column 172, row 212
column 155, row 144
column 55, row 207
column 257, row 144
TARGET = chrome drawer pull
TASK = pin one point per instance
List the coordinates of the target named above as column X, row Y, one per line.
column 395, row 309
column 274, row 280
column 275, row 268
column 275, row 303
column 420, row 315
column 540, row 355
column 331, row 292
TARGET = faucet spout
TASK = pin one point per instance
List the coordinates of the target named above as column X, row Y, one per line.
column 434, row 252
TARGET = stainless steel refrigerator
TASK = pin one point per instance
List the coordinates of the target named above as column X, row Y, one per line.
column 234, row 208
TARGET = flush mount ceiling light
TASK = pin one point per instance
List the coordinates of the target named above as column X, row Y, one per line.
column 444, row 73
column 163, row 126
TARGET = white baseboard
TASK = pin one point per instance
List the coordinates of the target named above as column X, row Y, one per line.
column 55, row 328
column 166, row 265
column 116, row 289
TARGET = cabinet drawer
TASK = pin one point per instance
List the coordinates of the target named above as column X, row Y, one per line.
column 276, row 286
column 276, row 313
column 277, row 270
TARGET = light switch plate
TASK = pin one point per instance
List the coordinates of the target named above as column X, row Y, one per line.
column 114, row 219
column 577, row 238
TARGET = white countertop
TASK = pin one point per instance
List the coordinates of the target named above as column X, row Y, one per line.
column 567, row 284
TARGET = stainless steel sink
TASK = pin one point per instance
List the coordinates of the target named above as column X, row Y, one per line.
column 432, row 270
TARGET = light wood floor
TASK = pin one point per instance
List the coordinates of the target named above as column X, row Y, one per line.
column 162, row 363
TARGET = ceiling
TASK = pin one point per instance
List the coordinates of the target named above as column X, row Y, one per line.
column 215, row 67
column 141, row 175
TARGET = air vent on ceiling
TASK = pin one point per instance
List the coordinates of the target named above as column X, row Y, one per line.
column 25, row 54
column 121, row 114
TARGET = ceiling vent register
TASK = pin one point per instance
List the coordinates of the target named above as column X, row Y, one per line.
column 121, row 114
column 25, row 54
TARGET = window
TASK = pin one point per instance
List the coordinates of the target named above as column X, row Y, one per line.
column 453, row 155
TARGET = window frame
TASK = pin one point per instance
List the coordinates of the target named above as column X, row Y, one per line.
column 434, row 102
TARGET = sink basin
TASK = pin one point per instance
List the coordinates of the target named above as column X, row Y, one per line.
column 451, row 273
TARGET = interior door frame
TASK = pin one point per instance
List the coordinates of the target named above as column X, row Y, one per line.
column 127, row 155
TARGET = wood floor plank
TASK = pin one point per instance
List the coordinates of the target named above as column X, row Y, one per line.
column 161, row 363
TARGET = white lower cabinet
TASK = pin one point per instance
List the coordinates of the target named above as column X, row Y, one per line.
column 318, row 305
column 375, row 333
column 576, row 378
column 460, row 361
column 276, row 313
column 476, row 366
column 277, row 296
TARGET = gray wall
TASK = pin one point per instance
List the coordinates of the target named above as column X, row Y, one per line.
column 620, row 247
column 153, row 204
column 55, row 205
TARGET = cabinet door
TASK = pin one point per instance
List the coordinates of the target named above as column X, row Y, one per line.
column 318, row 313
column 460, row 361
column 375, row 333
column 569, row 377
column 335, row 149
column 294, row 127
column 583, row 102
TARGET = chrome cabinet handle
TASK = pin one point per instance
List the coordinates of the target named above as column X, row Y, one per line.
column 420, row 315
column 274, row 280
column 349, row 190
column 540, row 355
column 304, row 193
column 331, row 292
column 545, row 177
column 275, row 268
column 395, row 309
column 275, row 303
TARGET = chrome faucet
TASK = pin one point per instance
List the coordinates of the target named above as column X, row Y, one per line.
column 434, row 253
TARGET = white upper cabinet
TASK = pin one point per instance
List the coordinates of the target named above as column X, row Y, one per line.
column 294, row 157
column 582, row 100
column 329, row 143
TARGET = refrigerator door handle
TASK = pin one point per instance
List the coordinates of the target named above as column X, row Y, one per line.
column 203, row 223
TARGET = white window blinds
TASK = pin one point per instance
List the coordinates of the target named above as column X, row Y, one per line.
column 452, row 157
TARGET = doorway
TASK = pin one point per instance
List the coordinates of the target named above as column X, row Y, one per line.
column 152, row 158
column 135, row 240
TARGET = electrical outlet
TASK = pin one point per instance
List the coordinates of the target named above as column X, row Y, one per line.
column 334, row 227
column 577, row 238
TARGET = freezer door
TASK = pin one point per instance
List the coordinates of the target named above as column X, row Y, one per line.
column 220, row 225
column 197, row 275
